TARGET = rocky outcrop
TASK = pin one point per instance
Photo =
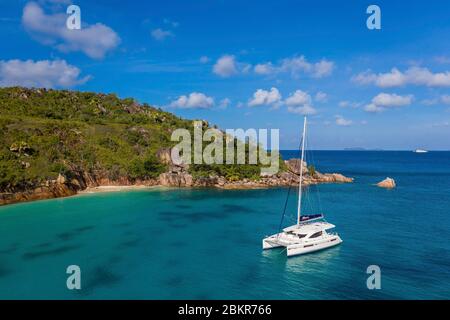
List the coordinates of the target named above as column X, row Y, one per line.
column 46, row 191
column 175, row 179
column 387, row 183
column 164, row 155
column 176, row 176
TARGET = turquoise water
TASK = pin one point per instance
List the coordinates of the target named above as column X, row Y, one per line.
column 206, row 244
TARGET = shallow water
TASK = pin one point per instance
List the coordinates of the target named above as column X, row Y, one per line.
column 206, row 243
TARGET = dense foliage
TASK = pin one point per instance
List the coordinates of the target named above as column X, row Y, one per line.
column 47, row 132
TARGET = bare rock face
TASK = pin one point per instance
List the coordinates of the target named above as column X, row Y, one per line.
column 61, row 179
column 176, row 179
column 337, row 177
column 388, row 183
column 38, row 193
column 164, row 156
column 206, row 181
column 293, row 166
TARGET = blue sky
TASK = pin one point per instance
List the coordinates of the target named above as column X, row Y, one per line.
column 250, row 64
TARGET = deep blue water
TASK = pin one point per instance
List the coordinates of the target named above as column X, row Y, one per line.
column 206, row 243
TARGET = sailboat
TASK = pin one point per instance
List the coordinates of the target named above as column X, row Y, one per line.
column 310, row 233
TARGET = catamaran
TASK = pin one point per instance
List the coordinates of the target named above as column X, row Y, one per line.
column 310, row 233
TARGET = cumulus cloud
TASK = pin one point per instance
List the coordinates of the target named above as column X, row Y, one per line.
column 299, row 97
column 160, row 34
column 224, row 103
column 321, row 97
column 225, row 66
column 303, row 110
column 396, row 78
column 385, row 100
column 392, row 100
column 264, row 97
column 341, row 121
column 351, row 104
column 264, row 68
column 44, row 73
column 297, row 65
column 444, row 99
column 300, row 102
column 50, row 29
column 322, row 68
column 195, row 100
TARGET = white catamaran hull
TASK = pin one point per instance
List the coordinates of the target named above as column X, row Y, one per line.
column 296, row 249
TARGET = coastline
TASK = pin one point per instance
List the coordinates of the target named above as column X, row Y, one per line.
column 175, row 177
column 116, row 188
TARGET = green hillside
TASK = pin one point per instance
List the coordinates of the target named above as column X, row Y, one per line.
column 47, row 132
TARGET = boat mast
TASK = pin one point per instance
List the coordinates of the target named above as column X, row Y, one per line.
column 301, row 173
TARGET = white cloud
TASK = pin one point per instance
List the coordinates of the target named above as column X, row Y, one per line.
column 323, row 68
column 300, row 102
column 44, row 73
column 298, row 98
column 225, row 66
column 385, row 100
column 392, row 100
column 396, row 78
column 264, row 97
column 373, row 108
column 160, row 34
column 351, row 104
column 341, row 121
column 429, row 102
column 264, row 68
column 195, row 100
column 224, row 103
column 303, row 110
column 321, row 97
column 93, row 40
column 445, row 99
column 297, row 65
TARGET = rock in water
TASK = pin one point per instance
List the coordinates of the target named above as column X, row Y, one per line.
column 387, row 183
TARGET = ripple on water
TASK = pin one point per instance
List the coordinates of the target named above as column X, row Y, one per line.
column 4, row 271
column 101, row 276
column 11, row 249
column 51, row 252
column 69, row 235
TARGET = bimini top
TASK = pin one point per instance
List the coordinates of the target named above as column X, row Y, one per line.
column 310, row 217
column 309, row 228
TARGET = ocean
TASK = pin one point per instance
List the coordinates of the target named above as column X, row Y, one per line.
column 206, row 243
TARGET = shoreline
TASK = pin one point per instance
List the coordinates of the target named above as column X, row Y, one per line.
column 175, row 177
column 116, row 188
